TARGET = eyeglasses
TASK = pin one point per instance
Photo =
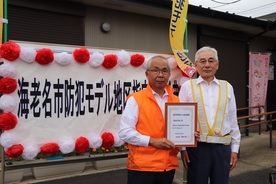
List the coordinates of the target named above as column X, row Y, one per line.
column 157, row 72
column 204, row 61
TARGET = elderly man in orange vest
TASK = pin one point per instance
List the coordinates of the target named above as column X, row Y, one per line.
column 152, row 158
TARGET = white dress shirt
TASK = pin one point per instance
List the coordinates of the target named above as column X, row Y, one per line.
column 210, row 96
column 128, row 132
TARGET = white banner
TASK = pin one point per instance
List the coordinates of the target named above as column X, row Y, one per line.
column 59, row 98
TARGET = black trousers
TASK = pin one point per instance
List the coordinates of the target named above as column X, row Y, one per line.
column 209, row 162
column 144, row 177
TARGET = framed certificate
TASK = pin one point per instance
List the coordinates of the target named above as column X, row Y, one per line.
column 181, row 123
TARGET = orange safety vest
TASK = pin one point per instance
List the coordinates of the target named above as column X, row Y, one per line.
column 151, row 122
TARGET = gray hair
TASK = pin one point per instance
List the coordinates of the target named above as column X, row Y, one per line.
column 206, row 48
column 157, row 56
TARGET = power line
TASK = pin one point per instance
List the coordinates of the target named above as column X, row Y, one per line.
column 224, row 3
column 258, row 8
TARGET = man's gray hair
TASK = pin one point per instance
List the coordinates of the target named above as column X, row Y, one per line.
column 206, row 48
column 156, row 56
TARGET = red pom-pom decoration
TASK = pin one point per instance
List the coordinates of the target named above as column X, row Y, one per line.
column 137, row 59
column 44, row 56
column 108, row 140
column 49, row 148
column 7, row 85
column 81, row 55
column 15, row 151
column 110, row 61
column 82, row 145
column 10, row 51
column 7, row 121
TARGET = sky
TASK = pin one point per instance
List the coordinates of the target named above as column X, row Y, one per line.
column 247, row 8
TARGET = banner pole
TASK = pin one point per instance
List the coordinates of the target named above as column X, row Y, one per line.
column 186, row 37
column 5, row 17
column 2, row 164
column 4, row 39
column 185, row 176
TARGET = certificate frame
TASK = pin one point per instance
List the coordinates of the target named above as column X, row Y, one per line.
column 181, row 123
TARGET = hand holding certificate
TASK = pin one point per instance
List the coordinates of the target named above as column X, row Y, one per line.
column 181, row 123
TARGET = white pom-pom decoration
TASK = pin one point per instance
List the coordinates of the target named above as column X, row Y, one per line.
column 123, row 58
column 27, row 54
column 67, row 145
column 63, row 58
column 30, row 152
column 96, row 59
column 172, row 63
column 145, row 64
column 95, row 141
column 8, row 139
column 117, row 141
column 7, row 103
column 7, row 70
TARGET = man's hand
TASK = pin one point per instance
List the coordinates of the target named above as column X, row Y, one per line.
column 234, row 160
column 161, row 143
column 197, row 135
column 185, row 158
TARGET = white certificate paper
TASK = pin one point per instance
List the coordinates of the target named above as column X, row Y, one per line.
column 181, row 123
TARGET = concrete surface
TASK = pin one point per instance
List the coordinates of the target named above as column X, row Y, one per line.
column 256, row 161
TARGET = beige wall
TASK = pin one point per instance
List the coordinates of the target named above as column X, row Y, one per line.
column 130, row 31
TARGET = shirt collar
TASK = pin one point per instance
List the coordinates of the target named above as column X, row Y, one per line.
column 165, row 94
column 200, row 80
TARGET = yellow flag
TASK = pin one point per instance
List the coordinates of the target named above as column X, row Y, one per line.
column 1, row 22
column 176, row 33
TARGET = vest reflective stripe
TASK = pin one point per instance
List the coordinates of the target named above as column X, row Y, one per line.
column 208, row 134
column 199, row 100
column 215, row 139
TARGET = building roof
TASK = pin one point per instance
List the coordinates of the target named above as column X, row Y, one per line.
column 257, row 18
column 264, row 9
